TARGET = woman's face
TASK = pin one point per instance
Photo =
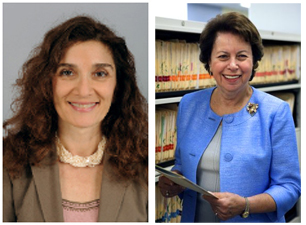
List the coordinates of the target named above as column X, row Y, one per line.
column 231, row 62
column 84, row 84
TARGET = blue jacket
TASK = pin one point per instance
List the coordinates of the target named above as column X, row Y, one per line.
column 258, row 153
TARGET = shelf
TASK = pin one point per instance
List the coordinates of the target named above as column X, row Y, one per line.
column 278, row 36
column 280, row 87
column 167, row 100
column 197, row 27
column 178, row 25
column 177, row 99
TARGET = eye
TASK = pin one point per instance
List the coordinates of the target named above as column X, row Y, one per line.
column 101, row 74
column 242, row 57
column 223, row 57
column 66, row 72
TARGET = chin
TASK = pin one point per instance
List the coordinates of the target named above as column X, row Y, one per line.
column 85, row 124
column 81, row 121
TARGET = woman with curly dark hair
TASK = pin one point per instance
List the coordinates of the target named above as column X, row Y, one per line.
column 76, row 148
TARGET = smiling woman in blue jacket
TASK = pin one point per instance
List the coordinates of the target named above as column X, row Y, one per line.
column 234, row 140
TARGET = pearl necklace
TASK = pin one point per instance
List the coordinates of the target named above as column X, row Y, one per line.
column 78, row 161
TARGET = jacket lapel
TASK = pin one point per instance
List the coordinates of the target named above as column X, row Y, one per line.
column 112, row 194
column 46, row 180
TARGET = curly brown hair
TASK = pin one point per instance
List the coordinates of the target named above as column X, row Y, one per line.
column 234, row 23
column 30, row 133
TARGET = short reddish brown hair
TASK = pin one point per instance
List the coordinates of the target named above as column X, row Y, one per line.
column 234, row 23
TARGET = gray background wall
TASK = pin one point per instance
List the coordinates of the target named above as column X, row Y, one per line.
column 24, row 25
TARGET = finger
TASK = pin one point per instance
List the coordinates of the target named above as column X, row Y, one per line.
column 220, row 215
column 210, row 199
column 167, row 194
column 223, row 215
column 166, row 181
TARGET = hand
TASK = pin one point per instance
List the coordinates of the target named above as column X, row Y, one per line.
column 168, row 188
column 228, row 205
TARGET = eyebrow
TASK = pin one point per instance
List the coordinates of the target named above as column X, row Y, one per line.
column 244, row 51
column 97, row 65
column 222, row 51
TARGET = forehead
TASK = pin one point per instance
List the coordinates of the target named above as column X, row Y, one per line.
column 90, row 51
column 230, row 40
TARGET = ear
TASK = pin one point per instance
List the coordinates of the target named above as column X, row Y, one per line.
column 210, row 72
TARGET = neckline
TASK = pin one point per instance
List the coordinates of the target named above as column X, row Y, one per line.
column 237, row 117
column 243, row 108
column 81, row 203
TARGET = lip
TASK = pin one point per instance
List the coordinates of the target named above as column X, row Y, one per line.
column 232, row 77
column 83, row 106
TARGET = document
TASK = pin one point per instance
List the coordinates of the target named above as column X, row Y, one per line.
column 183, row 181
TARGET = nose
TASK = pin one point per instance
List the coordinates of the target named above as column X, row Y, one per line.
column 84, row 86
column 233, row 64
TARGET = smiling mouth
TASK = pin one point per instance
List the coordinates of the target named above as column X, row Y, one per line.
column 83, row 105
column 231, row 76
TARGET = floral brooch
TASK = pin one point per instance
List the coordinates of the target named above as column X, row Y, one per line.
column 252, row 108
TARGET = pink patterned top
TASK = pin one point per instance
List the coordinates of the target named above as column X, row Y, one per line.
column 80, row 212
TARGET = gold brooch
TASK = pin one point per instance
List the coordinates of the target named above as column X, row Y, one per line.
column 252, row 108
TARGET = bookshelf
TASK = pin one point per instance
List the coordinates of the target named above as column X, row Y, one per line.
column 161, row 99
column 170, row 29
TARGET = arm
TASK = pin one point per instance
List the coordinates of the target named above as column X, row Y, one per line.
column 285, row 185
column 230, row 205
column 284, row 188
column 261, row 203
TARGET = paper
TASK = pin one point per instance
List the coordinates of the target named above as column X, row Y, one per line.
column 183, row 181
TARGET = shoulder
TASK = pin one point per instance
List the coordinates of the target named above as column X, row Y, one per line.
column 198, row 96
column 270, row 104
column 18, row 179
column 14, row 190
column 267, row 99
column 272, row 108
column 26, row 173
column 196, row 100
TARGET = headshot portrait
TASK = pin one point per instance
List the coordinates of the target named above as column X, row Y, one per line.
column 75, row 112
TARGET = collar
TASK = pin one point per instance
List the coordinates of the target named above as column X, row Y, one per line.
column 236, row 118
